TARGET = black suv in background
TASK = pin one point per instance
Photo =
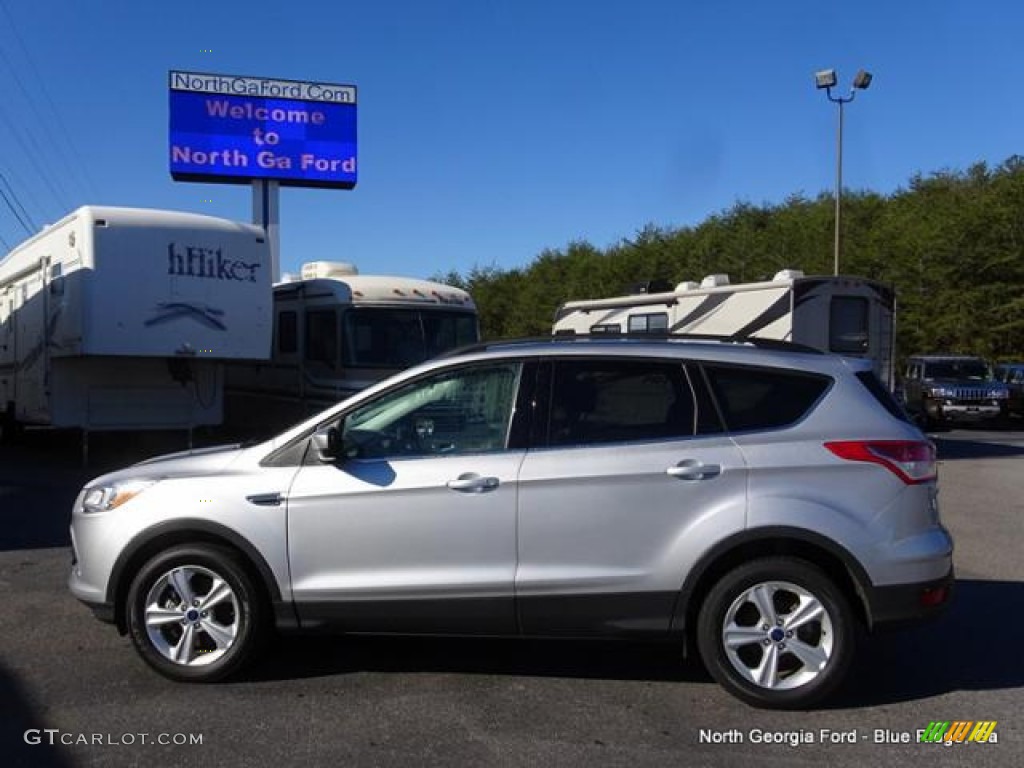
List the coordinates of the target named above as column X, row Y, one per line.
column 940, row 389
column 1012, row 374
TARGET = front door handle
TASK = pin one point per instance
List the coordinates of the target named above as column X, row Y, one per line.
column 471, row 482
column 691, row 469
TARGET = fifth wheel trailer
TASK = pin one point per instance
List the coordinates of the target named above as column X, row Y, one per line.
column 121, row 318
column 850, row 316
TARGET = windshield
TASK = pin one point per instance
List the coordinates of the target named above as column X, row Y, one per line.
column 957, row 369
column 398, row 338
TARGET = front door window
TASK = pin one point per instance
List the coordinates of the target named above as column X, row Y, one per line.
column 468, row 410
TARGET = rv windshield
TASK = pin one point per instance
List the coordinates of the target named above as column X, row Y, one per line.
column 398, row 338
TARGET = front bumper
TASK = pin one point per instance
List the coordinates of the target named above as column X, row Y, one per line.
column 945, row 411
column 88, row 595
column 102, row 611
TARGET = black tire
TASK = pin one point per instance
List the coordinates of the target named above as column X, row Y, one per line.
column 931, row 423
column 221, row 640
column 10, row 429
column 797, row 685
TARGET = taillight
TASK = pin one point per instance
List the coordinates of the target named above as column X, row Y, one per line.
column 912, row 461
column 929, row 598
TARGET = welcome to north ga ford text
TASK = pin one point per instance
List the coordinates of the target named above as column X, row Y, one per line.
column 268, row 156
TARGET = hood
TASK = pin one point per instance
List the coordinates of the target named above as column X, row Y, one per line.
column 200, row 461
column 942, row 381
column 213, row 452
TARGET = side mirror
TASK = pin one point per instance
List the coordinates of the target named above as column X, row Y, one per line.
column 327, row 444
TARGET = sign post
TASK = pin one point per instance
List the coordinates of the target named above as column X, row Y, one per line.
column 265, row 199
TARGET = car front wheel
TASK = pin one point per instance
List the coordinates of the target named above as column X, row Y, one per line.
column 194, row 614
column 777, row 633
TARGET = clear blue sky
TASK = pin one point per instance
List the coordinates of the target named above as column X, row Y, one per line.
column 491, row 130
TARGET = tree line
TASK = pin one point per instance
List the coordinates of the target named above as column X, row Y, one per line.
column 950, row 243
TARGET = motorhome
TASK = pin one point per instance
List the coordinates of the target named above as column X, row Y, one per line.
column 850, row 316
column 336, row 332
column 122, row 318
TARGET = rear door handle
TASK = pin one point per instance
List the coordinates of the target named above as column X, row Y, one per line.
column 471, row 482
column 691, row 469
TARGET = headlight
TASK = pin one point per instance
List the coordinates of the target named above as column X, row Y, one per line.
column 104, row 498
column 940, row 392
column 999, row 394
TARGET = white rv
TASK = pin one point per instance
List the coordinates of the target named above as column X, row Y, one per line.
column 850, row 316
column 337, row 332
column 121, row 318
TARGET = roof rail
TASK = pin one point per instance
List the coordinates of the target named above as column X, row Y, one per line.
column 776, row 344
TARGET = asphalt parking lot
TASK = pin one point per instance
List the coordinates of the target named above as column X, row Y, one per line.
column 73, row 693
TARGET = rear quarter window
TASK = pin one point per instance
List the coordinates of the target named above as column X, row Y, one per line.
column 763, row 398
column 881, row 394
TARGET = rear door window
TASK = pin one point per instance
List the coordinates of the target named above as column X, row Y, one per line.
column 609, row 401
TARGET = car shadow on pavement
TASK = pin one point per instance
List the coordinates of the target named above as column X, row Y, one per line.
column 974, row 646
column 309, row 656
column 974, row 449
column 22, row 732
column 949, row 654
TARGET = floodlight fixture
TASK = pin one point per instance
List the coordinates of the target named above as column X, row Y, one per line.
column 862, row 80
column 826, row 78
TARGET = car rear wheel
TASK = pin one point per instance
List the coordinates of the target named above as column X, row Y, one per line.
column 194, row 614
column 777, row 633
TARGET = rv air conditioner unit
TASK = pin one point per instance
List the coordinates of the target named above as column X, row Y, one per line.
column 714, row 281
column 787, row 274
column 315, row 269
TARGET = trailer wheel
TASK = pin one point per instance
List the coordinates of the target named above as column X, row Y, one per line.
column 10, row 429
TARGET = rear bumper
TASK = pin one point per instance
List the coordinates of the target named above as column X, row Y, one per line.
column 908, row 604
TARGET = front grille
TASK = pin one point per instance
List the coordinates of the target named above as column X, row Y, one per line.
column 971, row 395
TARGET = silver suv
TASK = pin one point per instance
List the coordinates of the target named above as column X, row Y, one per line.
column 756, row 503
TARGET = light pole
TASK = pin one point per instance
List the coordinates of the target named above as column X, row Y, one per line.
column 827, row 79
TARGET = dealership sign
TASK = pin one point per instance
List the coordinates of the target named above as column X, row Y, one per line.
column 232, row 129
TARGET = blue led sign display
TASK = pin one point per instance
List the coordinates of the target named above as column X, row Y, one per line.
column 234, row 129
